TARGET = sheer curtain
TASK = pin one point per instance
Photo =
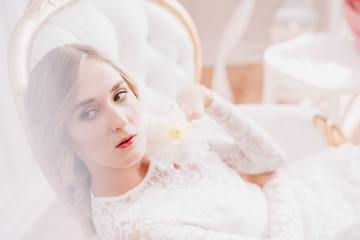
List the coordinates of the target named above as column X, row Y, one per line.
column 24, row 194
column 14, row 151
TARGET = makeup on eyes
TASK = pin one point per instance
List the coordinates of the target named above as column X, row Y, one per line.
column 121, row 92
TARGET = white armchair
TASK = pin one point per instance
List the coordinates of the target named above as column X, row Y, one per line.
column 157, row 42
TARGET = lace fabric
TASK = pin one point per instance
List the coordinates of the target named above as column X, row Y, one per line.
column 254, row 151
column 195, row 203
column 207, row 199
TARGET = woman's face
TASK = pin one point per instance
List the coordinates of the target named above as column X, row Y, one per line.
column 105, row 128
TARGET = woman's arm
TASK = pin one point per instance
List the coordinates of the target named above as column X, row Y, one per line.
column 253, row 151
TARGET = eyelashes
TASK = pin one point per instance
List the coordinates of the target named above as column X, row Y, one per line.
column 120, row 95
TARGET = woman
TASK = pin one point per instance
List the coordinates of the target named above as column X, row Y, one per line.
column 88, row 124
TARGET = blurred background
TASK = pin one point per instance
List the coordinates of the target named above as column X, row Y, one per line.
column 25, row 196
column 270, row 23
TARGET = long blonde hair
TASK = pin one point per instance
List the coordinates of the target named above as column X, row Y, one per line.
column 48, row 100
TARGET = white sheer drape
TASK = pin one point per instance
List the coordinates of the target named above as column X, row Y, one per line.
column 24, row 194
column 15, row 156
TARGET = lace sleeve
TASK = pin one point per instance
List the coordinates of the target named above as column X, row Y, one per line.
column 285, row 220
column 253, row 151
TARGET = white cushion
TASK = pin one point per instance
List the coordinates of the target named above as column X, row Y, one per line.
column 81, row 23
column 152, row 44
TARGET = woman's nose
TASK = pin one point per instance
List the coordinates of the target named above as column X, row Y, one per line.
column 118, row 119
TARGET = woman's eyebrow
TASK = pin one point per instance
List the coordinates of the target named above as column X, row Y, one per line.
column 83, row 103
column 117, row 85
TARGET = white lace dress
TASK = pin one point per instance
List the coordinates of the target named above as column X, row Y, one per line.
column 207, row 199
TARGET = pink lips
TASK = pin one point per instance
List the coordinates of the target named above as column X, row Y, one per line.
column 126, row 142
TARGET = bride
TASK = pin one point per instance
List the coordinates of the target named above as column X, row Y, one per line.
column 203, row 170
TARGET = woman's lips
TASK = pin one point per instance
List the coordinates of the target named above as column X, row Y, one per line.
column 126, row 142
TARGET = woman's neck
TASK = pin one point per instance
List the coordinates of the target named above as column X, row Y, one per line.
column 108, row 182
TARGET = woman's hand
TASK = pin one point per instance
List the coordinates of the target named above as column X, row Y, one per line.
column 259, row 179
column 193, row 101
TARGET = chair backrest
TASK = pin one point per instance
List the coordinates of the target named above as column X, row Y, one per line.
column 155, row 40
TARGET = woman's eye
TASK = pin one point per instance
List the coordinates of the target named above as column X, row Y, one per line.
column 88, row 115
column 120, row 95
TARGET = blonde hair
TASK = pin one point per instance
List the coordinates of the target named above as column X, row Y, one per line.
column 48, row 100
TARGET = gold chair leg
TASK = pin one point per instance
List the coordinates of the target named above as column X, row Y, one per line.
column 332, row 133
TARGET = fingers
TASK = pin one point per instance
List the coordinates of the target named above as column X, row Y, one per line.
column 193, row 115
column 191, row 101
column 259, row 179
column 192, row 109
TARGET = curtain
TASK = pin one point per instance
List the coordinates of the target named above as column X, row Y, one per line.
column 15, row 155
column 24, row 193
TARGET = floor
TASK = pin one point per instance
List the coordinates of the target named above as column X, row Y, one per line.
column 245, row 81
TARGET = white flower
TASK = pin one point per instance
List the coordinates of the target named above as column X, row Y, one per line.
column 178, row 131
column 172, row 139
